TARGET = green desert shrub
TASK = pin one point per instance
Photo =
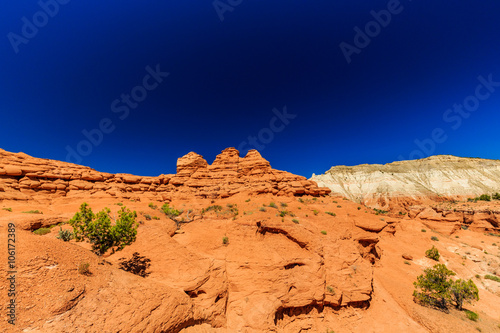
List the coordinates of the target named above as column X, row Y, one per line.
column 432, row 253
column 33, row 212
column 273, row 205
column 471, row 315
column 98, row 230
column 7, row 209
column 436, row 288
column 496, row 196
column 434, row 238
column 84, row 268
column 225, row 240
column 323, row 232
column 65, row 235
column 484, row 197
column 433, row 287
column 492, row 277
column 170, row 211
column 463, row 291
column 42, row 231
column 295, row 221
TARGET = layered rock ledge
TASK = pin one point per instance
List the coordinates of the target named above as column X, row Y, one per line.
column 23, row 177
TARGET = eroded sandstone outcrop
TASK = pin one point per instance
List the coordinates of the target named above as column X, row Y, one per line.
column 406, row 183
column 23, row 177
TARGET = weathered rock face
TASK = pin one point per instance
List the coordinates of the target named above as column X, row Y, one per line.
column 23, row 177
column 405, row 183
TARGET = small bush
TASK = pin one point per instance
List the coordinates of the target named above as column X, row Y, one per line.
column 147, row 217
column 247, row 200
column 339, row 206
column 471, row 315
column 225, row 240
column 301, row 200
column 84, row 268
column 432, row 288
column 273, row 205
column 152, row 205
column 330, row 290
column 155, row 218
column 323, row 232
column 484, row 197
column 65, row 235
column 295, row 221
column 380, row 211
column 407, row 262
column 359, row 208
column 42, row 231
column 464, row 227
column 330, row 213
column 496, row 196
column 283, row 204
column 432, row 253
column 98, row 230
column 423, row 230
column 7, row 209
column 262, row 209
column 434, row 238
column 492, row 277
column 315, row 212
column 170, row 211
column 33, row 212
column 119, row 204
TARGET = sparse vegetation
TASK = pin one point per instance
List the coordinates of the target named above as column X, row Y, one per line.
column 170, row 211
column 42, row 231
column 215, row 208
column 247, row 200
column 323, row 232
column 379, row 211
column 330, row 290
column 225, row 240
column 147, row 217
column 407, row 262
column 496, row 196
column 432, row 253
column 84, row 268
column 471, row 315
column 436, row 288
column 484, row 197
column 330, row 213
column 273, row 205
column 432, row 288
column 262, row 209
column 99, row 231
column 463, row 291
column 7, row 209
column 33, row 212
column 65, row 235
column 283, row 204
column 152, row 205
column 423, row 230
column 315, row 212
column 295, row 221
column 339, row 206
column 156, row 218
column 434, row 238
column 119, row 204
column 492, row 277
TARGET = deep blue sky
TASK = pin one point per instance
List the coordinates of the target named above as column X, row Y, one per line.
column 227, row 76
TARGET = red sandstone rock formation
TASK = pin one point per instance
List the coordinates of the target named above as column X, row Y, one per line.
column 22, row 177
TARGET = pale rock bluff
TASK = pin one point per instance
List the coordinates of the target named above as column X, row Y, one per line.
column 409, row 182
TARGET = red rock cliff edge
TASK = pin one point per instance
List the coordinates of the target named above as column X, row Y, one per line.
column 23, row 177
